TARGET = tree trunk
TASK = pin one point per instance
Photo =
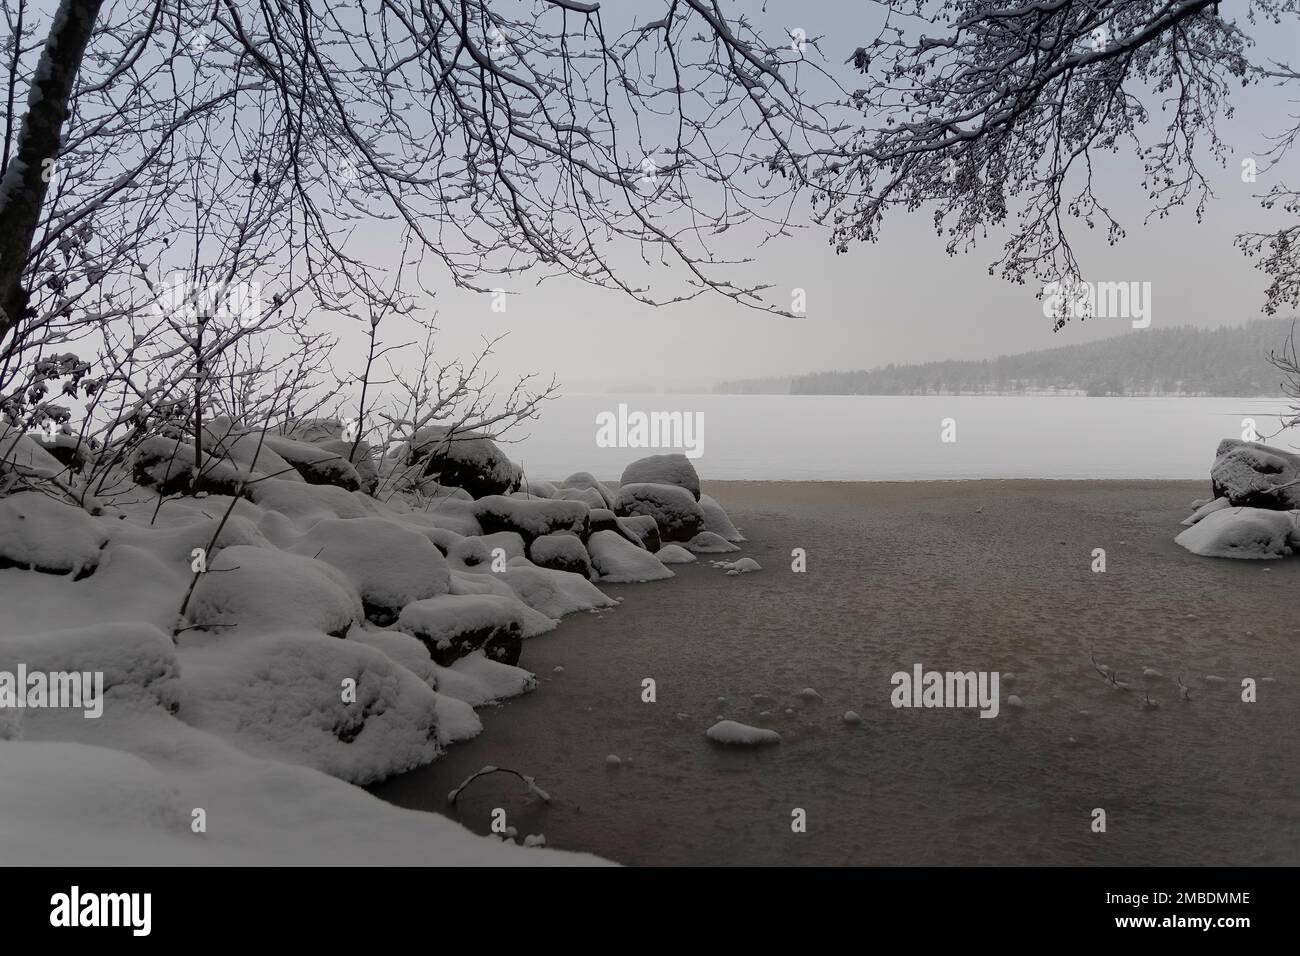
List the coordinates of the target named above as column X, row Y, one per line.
column 22, row 191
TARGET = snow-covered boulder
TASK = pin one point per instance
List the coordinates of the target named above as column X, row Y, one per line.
column 174, row 541
column 537, row 488
column 742, row 566
column 359, row 455
column 401, row 648
column 167, row 465
column 390, row 566
column 602, row 519
column 619, row 561
column 561, row 552
column 316, row 464
column 66, row 448
column 465, row 459
column 475, row 551
column 586, row 480
column 1254, row 475
column 42, row 533
column 673, row 469
column 477, row 680
column 588, row 496
column 247, row 449
column 306, row 504
column 453, row 625
column 266, row 590
column 1207, row 508
column 20, row 454
column 717, row 520
column 674, row 554
column 531, row 518
column 706, row 542
column 1243, row 533
column 338, row 706
column 314, row 430
column 137, row 659
column 444, row 539
column 674, row 509
column 552, row 593
column 646, row 529
column 454, row 514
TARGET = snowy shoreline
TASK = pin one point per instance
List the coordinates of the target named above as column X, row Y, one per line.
column 325, row 638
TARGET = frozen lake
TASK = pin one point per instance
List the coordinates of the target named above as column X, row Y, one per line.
column 880, row 438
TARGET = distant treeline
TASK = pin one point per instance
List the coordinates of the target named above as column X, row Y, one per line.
column 1230, row 361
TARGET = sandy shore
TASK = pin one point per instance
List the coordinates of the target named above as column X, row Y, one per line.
column 988, row 575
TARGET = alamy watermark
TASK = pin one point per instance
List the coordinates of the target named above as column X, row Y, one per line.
column 75, row 908
column 185, row 301
column 624, row 429
column 77, row 690
column 1073, row 298
column 959, row 689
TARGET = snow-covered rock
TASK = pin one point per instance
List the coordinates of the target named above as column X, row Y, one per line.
column 339, row 706
column 263, row 590
column 476, row 551
column 646, row 529
column 1206, row 508
column 675, row 469
column 676, row 512
column 735, row 733
column 66, row 448
column 464, row 459
column 602, row 519
column 585, row 479
column 456, row 719
column 174, row 540
column 1254, row 475
column 306, row 504
column 20, row 454
column 453, row 514
column 538, row 488
column 1243, row 533
column 674, row 554
column 740, row 566
column 389, row 565
column 552, row 593
column 317, row 465
column 358, row 454
column 561, row 552
column 137, row 659
column 401, row 648
column 168, row 466
column 531, row 518
column 43, row 533
column 588, row 496
column 453, row 625
column 619, row 561
column 717, row 520
column 706, row 542
column 496, row 680
column 246, row 449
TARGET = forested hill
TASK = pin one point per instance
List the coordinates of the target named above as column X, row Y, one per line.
column 1180, row 361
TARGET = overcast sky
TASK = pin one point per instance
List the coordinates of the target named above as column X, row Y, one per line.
column 900, row 300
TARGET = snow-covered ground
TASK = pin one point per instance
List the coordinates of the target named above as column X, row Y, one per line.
column 267, row 652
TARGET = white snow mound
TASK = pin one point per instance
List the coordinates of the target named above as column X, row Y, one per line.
column 1257, row 533
column 270, row 590
column 738, row 734
column 620, row 561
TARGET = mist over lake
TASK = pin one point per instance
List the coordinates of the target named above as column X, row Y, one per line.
column 898, row 438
